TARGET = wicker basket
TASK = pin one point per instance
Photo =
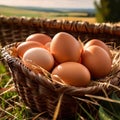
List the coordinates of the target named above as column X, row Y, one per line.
column 38, row 92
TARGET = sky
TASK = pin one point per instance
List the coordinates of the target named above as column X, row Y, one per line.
column 51, row 3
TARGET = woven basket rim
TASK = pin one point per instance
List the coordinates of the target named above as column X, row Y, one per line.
column 66, row 25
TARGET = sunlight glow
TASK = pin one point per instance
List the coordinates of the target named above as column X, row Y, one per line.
column 51, row 3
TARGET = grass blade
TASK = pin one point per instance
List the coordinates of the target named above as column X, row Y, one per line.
column 57, row 108
column 103, row 115
column 89, row 115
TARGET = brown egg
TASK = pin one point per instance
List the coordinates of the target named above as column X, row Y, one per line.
column 98, row 43
column 39, row 37
column 24, row 46
column 65, row 47
column 97, row 60
column 39, row 57
column 71, row 73
column 47, row 46
column 80, row 60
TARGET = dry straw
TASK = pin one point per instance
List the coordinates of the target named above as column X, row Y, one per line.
column 38, row 91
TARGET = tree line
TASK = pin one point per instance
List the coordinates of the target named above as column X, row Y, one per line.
column 107, row 11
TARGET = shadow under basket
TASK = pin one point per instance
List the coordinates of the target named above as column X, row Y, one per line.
column 39, row 92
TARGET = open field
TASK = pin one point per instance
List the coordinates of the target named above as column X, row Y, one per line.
column 88, row 19
column 11, row 11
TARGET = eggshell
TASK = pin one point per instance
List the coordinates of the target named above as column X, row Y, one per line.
column 39, row 37
column 47, row 46
column 24, row 46
column 65, row 47
column 39, row 57
column 71, row 73
column 80, row 60
column 98, row 43
column 97, row 60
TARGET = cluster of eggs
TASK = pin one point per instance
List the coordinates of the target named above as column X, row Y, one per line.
column 67, row 59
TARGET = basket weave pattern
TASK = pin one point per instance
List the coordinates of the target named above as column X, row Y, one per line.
column 37, row 91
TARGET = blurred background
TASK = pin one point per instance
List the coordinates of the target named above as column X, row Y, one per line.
column 82, row 10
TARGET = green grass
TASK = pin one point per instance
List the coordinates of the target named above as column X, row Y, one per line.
column 11, row 108
column 14, row 11
column 10, row 11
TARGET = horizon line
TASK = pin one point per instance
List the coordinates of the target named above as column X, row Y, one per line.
column 45, row 7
